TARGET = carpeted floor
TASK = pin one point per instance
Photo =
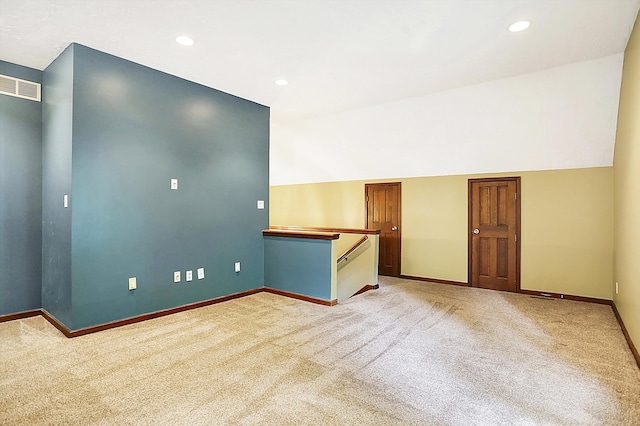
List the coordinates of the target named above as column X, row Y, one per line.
column 408, row 353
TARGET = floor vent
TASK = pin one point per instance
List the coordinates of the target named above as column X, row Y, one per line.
column 19, row 88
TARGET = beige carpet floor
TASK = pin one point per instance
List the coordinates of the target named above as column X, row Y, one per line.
column 408, row 353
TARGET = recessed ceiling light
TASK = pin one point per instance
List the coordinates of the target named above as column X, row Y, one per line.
column 282, row 82
column 184, row 40
column 519, row 26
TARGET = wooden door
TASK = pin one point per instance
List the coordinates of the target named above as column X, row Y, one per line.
column 383, row 213
column 494, row 228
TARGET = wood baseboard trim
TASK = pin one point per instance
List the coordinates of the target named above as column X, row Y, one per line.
column 300, row 297
column 434, row 280
column 162, row 313
column 543, row 294
column 20, row 315
column 57, row 324
column 367, row 288
column 157, row 314
column 127, row 321
column 38, row 312
column 549, row 295
column 634, row 351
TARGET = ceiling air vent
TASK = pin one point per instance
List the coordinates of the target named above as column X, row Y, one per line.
column 19, row 88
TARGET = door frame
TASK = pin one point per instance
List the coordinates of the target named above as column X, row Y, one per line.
column 366, row 216
column 470, row 228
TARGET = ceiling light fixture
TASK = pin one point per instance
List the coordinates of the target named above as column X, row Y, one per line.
column 519, row 26
column 184, row 40
column 282, row 82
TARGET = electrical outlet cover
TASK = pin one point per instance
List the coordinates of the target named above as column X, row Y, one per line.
column 176, row 277
column 200, row 273
column 189, row 276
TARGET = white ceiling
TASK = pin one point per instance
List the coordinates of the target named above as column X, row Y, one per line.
column 336, row 54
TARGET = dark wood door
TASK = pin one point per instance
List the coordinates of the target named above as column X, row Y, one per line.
column 494, row 228
column 383, row 213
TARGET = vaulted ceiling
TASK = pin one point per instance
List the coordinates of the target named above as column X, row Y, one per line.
column 336, row 54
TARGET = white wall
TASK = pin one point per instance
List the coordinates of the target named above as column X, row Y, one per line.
column 560, row 118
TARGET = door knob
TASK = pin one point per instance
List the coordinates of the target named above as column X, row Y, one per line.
column 394, row 228
column 476, row 231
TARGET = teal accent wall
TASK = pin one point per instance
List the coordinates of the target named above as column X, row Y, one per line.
column 299, row 265
column 20, row 196
column 57, row 107
column 111, row 134
column 134, row 129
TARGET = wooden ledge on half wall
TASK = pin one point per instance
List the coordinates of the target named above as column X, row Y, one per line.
column 309, row 235
column 330, row 230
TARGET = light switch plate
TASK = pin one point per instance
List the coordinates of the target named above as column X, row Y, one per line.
column 132, row 283
column 176, row 277
column 189, row 276
column 65, row 201
column 260, row 204
column 237, row 267
column 200, row 273
column 174, row 183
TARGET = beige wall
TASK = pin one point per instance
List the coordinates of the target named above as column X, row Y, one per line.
column 567, row 225
column 627, row 192
column 336, row 204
